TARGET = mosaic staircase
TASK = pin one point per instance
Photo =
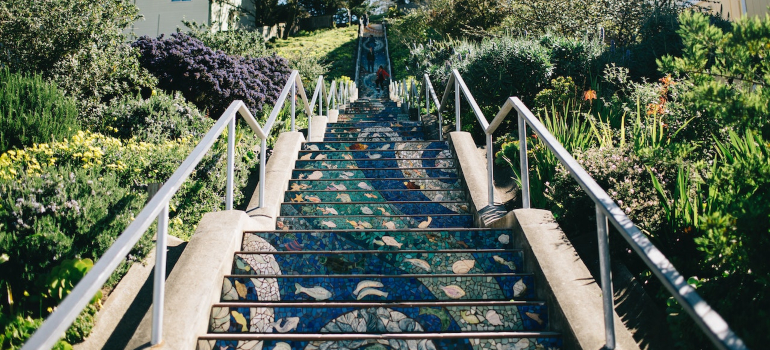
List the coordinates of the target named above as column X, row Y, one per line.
column 374, row 249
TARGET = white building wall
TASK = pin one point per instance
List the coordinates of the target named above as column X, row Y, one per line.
column 164, row 16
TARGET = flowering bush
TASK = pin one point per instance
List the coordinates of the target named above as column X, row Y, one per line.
column 71, row 199
column 619, row 172
column 212, row 79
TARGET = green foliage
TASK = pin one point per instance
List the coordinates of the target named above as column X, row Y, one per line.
column 728, row 70
column 60, row 281
column 467, row 17
column 620, row 18
column 158, row 118
column 569, row 128
column 328, row 52
column 562, row 92
column 33, row 111
column 238, row 42
column 84, row 53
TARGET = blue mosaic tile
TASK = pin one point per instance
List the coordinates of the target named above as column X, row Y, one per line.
column 399, row 183
column 349, row 288
column 333, row 194
column 373, row 222
column 390, row 262
column 376, row 320
column 337, row 240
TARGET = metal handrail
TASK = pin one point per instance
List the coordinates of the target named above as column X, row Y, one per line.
column 68, row 310
column 709, row 321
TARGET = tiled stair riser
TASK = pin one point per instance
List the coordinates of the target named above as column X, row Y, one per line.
column 348, row 288
column 366, row 163
column 373, row 173
column 397, row 183
column 364, row 239
column 374, row 222
column 369, row 208
column 331, row 195
column 371, row 320
column 372, row 146
column 389, row 263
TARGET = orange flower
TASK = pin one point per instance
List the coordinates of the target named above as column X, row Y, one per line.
column 589, row 95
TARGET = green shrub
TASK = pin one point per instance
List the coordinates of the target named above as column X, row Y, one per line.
column 494, row 70
column 158, row 118
column 573, row 57
column 33, row 111
column 237, row 42
column 725, row 67
column 85, row 54
column 569, row 128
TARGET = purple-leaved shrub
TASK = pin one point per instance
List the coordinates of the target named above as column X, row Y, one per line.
column 212, row 79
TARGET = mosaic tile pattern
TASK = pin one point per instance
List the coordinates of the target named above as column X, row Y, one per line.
column 370, row 344
column 348, row 288
column 386, row 262
column 305, row 222
column 375, row 214
column 338, row 240
column 399, row 183
column 370, row 208
column 529, row 317
column 332, row 194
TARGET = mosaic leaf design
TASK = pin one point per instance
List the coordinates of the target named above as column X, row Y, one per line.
column 391, row 241
column 453, row 291
column 463, row 266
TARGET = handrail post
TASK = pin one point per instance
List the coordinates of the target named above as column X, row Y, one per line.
column 230, row 163
column 159, row 285
column 457, row 105
column 293, row 104
column 262, row 161
column 524, row 164
column 490, row 162
column 606, row 278
column 427, row 97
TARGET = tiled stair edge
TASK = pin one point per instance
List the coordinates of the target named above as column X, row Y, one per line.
column 278, row 173
column 318, row 128
column 195, row 282
column 571, row 292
